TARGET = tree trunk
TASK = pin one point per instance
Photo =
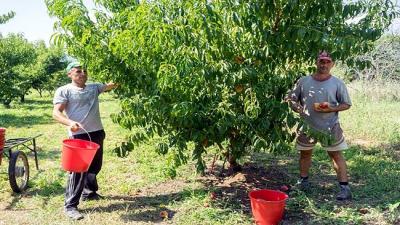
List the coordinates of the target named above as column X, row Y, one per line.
column 6, row 104
column 233, row 164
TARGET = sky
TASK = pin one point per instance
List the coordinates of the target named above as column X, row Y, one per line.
column 33, row 21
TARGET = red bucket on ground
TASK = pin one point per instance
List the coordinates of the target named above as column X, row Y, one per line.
column 2, row 136
column 77, row 154
column 267, row 206
column 2, row 141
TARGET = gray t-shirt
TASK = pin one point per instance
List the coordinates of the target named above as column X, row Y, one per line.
column 309, row 91
column 81, row 105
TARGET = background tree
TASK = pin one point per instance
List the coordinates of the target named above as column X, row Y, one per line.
column 48, row 72
column 213, row 72
column 16, row 54
column 379, row 63
column 6, row 17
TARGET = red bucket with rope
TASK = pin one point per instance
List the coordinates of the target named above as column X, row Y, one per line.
column 77, row 154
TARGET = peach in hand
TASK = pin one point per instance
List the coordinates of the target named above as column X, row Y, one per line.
column 324, row 105
column 74, row 128
column 321, row 105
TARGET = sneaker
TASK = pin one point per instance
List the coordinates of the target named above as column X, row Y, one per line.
column 344, row 193
column 91, row 197
column 303, row 184
column 73, row 213
column 236, row 168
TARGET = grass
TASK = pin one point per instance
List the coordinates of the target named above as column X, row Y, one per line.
column 373, row 118
column 137, row 188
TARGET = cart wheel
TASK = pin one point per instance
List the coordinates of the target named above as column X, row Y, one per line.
column 18, row 171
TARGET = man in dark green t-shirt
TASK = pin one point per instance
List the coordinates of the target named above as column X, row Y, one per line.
column 319, row 98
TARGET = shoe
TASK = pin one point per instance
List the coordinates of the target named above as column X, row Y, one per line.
column 303, row 184
column 73, row 213
column 236, row 168
column 91, row 197
column 344, row 193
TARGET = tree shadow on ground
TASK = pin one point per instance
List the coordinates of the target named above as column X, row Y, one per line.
column 47, row 192
column 374, row 177
column 141, row 208
column 53, row 154
column 233, row 190
column 375, row 172
column 32, row 104
column 42, row 101
column 37, row 104
column 24, row 120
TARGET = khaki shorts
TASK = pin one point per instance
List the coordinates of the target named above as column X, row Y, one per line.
column 303, row 142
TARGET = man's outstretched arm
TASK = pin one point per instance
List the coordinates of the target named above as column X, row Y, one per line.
column 110, row 86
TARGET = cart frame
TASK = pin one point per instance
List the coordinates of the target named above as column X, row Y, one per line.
column 13, row 151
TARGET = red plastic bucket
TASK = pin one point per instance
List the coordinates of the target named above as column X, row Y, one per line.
column 267, row 206
column 2, row 136
column 2, row 141
column 77, row 154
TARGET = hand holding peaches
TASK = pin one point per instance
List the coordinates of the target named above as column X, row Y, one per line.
column 74, row 127
column 322, row 107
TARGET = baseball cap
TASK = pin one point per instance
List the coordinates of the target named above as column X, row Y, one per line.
column 324, row 55
column 72, row 65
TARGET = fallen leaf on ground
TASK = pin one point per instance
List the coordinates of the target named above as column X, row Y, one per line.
column 164, row 214
column 213, row 195
column 363, row 210
column 284, row 188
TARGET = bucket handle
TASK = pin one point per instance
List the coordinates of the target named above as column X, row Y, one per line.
column 87, row 133
column 90, row 139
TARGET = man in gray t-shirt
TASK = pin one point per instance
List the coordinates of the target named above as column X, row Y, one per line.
column 76, row 105
column 318, row 98
column 81, row 106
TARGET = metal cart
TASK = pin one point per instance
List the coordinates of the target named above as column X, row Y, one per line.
column 18, row 168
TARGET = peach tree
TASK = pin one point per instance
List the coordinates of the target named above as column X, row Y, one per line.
column 212, row 72
column 16, row 54
column 6, row 17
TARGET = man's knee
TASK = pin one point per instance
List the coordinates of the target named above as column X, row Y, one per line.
column 337, row 156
